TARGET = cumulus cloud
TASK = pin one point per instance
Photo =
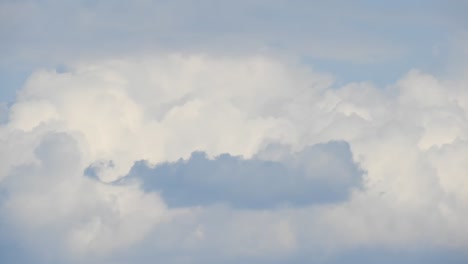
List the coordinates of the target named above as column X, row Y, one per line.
column 98, row 118
column 55, row 212
column 153, row 109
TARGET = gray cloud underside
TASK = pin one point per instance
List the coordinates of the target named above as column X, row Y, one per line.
column 322, row 173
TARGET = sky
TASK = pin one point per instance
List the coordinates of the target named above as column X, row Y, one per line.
column 135, row 132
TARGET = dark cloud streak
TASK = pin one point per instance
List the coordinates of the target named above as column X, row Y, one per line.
column 323, row 173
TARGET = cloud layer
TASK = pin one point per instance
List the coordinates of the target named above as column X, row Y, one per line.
column 356, row 41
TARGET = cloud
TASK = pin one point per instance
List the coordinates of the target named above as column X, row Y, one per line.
column 370, row 255
column 358, row 41
column 153, row 108
column 323, row 173
column 409, row 138
column 104, row 27
column 55, row 213
column 330, row 31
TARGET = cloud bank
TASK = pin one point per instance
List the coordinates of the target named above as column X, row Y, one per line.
column 374, row 169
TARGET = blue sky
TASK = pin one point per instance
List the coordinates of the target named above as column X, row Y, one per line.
column 233, row 131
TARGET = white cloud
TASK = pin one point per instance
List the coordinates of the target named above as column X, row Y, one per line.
column 162, row 108
column 410, row 138
column 59, row 210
